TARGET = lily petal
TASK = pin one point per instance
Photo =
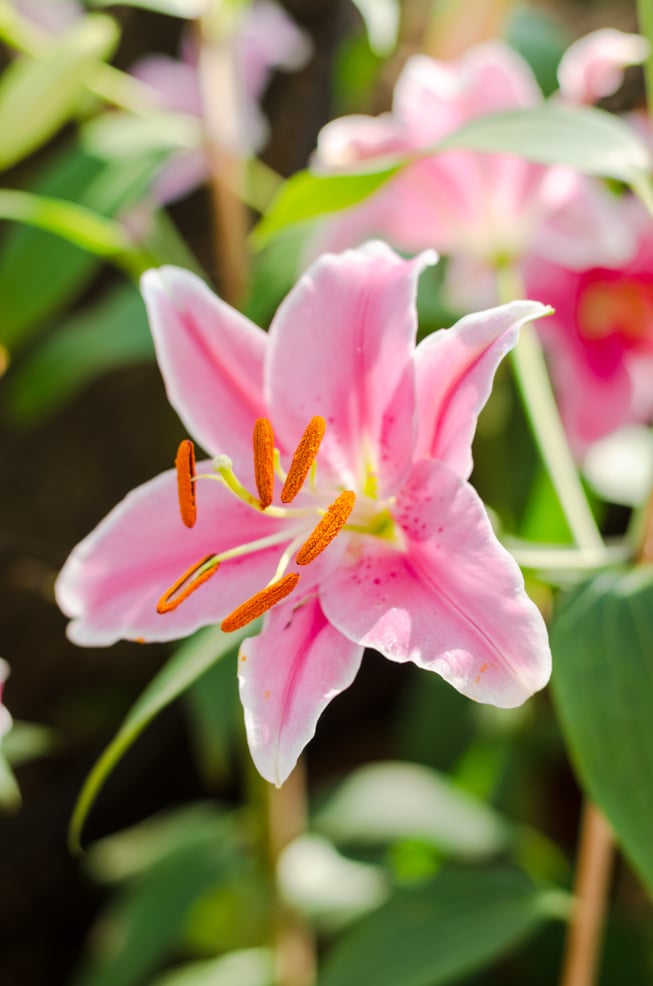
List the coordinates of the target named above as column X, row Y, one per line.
column 113, row 579
column 452, row 601
column 211, row 358
column 288, row 675
column 593, row 66
column 341, row 346
column 454, row 373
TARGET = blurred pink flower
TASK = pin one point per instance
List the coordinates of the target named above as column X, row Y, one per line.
column 54, row 16
column 600, row 338
column 5, row 718
column 593, row 66
column 266, row 39
column 483, row 210
column 377, row 541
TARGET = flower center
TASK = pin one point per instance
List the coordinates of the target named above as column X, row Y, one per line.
column 305, row 547
column 618, row 308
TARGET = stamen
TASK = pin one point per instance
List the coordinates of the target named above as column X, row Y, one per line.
column 185, row 466
column 192, row 579
column 328, row 528
column 260, row 603
column 303, row 458
column 263, row 441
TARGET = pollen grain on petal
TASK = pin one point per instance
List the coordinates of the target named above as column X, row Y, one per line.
column 328, row 528
column 186, row 584
column 260, row 603
column 185, row 466
column 263, row 441
column 303, row 458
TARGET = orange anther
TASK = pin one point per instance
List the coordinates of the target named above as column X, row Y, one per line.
column 263, row 441
column 328, row 528
column 303, row 458
column 260, row 603
column 185, row 466
column 185, row 584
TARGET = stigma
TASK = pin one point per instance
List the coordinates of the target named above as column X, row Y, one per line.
column 303, row 540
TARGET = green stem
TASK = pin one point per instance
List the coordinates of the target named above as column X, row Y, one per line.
column 541, row 410
column 645, row 18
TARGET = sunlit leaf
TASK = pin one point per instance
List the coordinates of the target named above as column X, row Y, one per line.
column 102, row 337
column 189, row 9
column 307, row 195
column 439, row 931
column 602, row 642
column 26, row 741
column 246, row 967
column 10, row 799
column 582, row 137
column 190, row 661
column 37, row 96
column 385, row 802
column 116, row 134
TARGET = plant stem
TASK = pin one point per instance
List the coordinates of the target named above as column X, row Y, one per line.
column 645, row 19
column 595, row 855
column 222, row 116
column 286, row 820
column 541, row 409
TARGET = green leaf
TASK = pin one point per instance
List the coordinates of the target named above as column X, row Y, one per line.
column 10, row 799
column 27, row 297
column 246, row 967
column 307, row 195
column 37, row 96
column 102, row 337
column 189, row 9
column 26, row 741
column 146, row 919
column 113, row 135
column 72, row 222
column 581, row 137
column 191, row 660
column 386, row 802
column 437, row 932
column 602, row 642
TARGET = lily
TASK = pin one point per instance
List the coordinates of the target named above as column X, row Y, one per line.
column 336, row 502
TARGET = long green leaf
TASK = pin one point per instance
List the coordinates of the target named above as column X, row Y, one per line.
column 191, row 660
column 602, row 642
column 70, row 221
column 584, row 138
column 587, row 139
column 27, row 298
column 307, row 195
column 437, row 932
column 37, row 96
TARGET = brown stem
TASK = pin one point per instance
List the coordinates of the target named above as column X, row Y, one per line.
column 223, row 138
column 286, row 820
column 595, row 857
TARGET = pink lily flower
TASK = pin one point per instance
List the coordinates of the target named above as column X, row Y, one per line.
column 483, row 210
column 593, row 67
column 600, row 338
column 266, row 39
column 360, row 530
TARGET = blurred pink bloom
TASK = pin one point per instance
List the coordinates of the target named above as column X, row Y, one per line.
column 266, row 40
column 5, row 718
column 54, row 16
column 593, row 66
column 600, row 338
column 415, row 570
column 483, row 210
